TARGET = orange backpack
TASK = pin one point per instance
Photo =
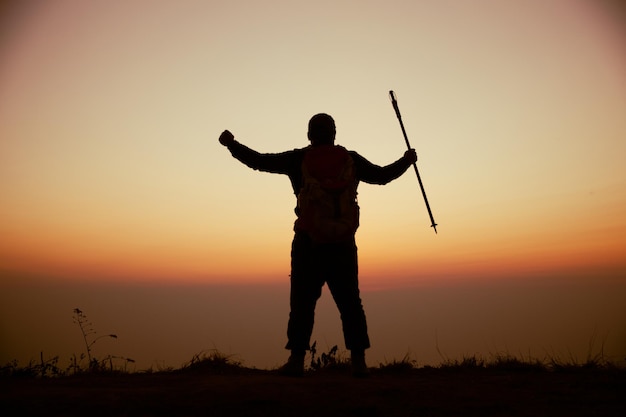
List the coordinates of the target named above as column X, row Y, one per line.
column 328, row 210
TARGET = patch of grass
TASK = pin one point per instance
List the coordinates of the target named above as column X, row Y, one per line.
column 594, row 360
column 592, row 363
column 508, row 363
column 465, row 363
column 213, row 362
column 405, row 365
column 34, row 369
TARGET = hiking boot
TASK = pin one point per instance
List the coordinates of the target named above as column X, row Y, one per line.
column 359, row 367
column 294, row 365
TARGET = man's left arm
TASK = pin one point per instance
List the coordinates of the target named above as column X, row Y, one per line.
column 375, row 174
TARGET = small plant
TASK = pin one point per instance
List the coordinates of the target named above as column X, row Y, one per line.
column 48, row 367
column 90, row 339
column 330, row 360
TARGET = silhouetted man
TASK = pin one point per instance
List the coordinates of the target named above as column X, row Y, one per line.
column 316, row 258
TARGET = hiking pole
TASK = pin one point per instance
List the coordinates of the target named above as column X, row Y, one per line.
column 394, row 102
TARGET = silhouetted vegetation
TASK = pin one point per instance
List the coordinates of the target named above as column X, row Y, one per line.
column 331, row 360
column 215, row 362
column 90, row 338
column 49, row 367
column 406, row 364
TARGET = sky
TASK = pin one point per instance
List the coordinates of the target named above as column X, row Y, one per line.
column 114, row 190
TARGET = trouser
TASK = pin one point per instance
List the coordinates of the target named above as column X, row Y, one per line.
column 313, row 265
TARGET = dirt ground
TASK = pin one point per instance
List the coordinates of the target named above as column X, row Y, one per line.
column 417, row 392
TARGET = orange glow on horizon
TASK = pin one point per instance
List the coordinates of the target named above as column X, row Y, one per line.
column 233, row 262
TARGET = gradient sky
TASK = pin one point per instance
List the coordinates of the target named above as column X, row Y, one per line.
column 110, row 169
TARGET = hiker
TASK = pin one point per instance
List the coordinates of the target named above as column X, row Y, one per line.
column 324, row 177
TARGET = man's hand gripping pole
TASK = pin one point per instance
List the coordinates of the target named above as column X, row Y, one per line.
column 394, row 102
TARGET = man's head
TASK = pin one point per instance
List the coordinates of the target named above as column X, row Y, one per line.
column 322, row 129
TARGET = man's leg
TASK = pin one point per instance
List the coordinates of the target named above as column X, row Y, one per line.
column 344, row 286
column 306, row 289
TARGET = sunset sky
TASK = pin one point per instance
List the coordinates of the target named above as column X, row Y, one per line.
column 111, row 172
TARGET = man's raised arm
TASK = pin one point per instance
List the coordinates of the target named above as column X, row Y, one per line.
column 277, row 163
column 374, row 174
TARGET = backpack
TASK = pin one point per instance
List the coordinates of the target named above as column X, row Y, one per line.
column 327, row 205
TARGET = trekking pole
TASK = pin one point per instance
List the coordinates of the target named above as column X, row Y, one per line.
column 394, row 102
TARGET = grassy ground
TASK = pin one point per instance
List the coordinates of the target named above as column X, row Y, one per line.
column 215, row 385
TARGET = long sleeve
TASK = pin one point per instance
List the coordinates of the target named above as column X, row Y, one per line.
column 288, row 163
column 277, row 163
column 375, row 174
